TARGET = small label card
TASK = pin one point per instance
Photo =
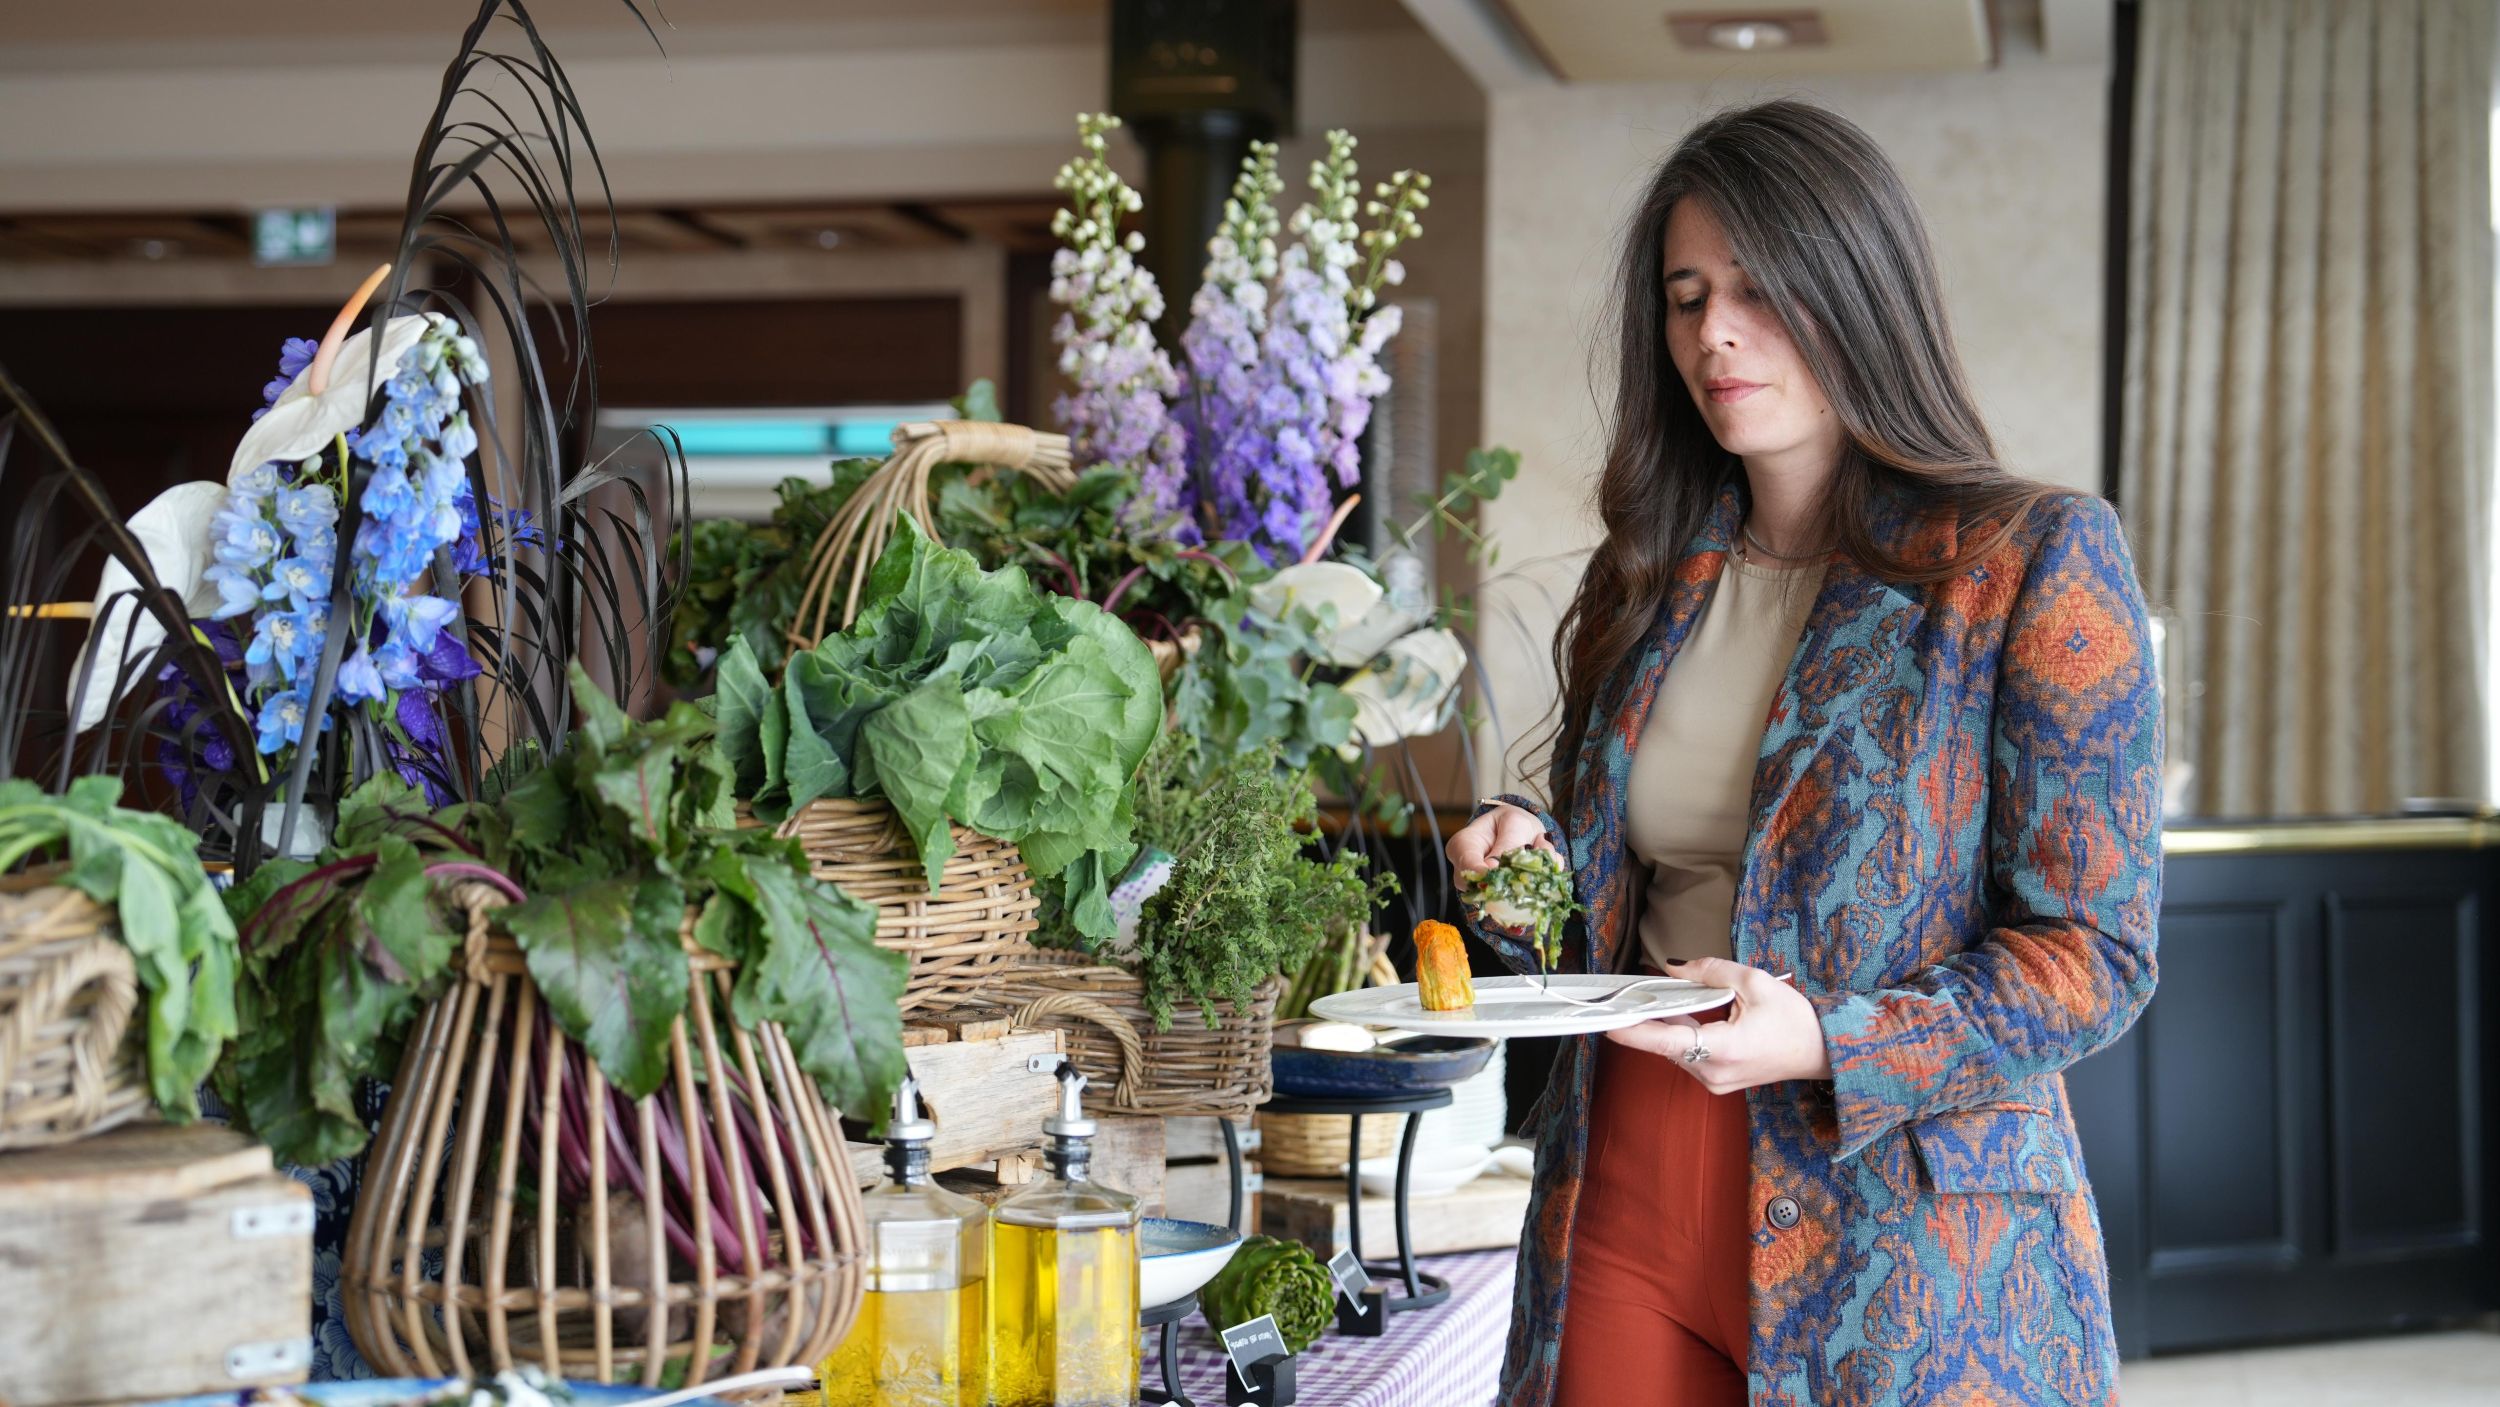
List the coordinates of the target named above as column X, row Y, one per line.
column 1253, row 1344
column 1262, row 1365
column 1352, row 1279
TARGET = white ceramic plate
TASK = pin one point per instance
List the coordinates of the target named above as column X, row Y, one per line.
column 1437, row 1171
column 1517, row 1006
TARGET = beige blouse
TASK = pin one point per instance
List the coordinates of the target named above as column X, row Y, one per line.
column 1692, row 777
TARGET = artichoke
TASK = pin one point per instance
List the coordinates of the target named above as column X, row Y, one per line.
column 1268, row 1276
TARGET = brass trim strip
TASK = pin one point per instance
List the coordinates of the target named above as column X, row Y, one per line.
column 2390, row 833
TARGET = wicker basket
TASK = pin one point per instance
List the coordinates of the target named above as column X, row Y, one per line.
column 972, row 926
column 1313, row 1145
column 850, row 544
column 72, row 1061
column 1187, row 1070
column 457, row 1263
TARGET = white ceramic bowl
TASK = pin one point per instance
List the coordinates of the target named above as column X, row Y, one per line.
column 1176, row 1257
column 1437, row 1170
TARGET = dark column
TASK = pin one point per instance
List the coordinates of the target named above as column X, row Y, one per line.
column 1197, row 81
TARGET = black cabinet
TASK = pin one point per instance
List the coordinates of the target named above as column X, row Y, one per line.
column 2298, row 1138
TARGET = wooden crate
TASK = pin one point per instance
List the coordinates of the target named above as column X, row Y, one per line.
column 988, row 1095
column 1484, row 1214
column 149, row 1262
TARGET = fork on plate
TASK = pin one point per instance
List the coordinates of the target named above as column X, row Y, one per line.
column 1549, row 991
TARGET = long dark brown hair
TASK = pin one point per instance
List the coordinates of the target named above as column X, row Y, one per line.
column 1821, row 222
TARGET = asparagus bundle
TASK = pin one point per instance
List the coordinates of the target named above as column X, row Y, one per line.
column 1268, row 1276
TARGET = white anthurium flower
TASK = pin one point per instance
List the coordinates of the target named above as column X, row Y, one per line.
column 173, row 530
column 1322, row 587
column 302, row 424
column 1404, row 604
column 1402, row 693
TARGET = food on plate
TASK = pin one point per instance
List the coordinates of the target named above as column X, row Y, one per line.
column 1441, row 982
column 1527, row 889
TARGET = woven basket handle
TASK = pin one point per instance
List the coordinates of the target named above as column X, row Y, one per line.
column 850, row 544
column 1132, row 1050
column 45, row 997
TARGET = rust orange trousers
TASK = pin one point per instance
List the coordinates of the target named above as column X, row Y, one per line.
column 1660, row 1277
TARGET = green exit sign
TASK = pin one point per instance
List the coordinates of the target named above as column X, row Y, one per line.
column 306, row 236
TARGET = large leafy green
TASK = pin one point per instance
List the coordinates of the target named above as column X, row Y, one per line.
column 605, row 954
column 339, row 954
column 146, row 867
column 961, row 696
column 632, row 827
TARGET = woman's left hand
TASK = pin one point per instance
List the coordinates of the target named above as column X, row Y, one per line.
column 1774, row 1034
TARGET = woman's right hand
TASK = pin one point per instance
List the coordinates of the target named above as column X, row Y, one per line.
column 1492, row 835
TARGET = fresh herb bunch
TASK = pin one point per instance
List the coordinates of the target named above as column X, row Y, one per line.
column 1269, row 1276
column 339, row 954
column 146, row 867
column 959, row 695
column 616, row 840
column 1527, row 888
column 748, row 580
column 1250, row 895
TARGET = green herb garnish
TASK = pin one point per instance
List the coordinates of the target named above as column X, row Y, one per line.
column 1528, row 888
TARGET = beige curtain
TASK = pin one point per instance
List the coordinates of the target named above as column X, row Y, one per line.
column 2308, row 394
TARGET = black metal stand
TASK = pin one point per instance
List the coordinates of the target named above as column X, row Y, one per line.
column 1423, row 1291
column 1232, row 1165
column 1167, row 1318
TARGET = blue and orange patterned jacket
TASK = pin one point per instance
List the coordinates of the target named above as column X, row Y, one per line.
column 1955, row 846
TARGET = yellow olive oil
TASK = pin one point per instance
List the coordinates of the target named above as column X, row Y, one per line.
column 913, row 1348
column 922, row 1336
column 1065, row 1315
column 1063, row 1277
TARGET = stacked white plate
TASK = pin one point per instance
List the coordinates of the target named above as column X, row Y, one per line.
column 1478, row 1108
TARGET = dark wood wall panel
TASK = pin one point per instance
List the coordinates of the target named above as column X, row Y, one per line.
column 2223, row 1136
column 2400, row 975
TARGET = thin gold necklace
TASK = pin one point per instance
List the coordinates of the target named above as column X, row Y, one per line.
column 1756, row 544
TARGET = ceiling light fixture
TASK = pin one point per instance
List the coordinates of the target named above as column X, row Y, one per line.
column 1749, row 36
column 1746, row 31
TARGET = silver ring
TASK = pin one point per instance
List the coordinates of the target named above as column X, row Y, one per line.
column 1697, row 1054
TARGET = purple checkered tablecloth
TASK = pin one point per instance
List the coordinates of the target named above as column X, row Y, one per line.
column 1446, row 1356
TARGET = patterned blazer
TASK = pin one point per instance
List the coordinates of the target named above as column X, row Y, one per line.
column 1954, row 845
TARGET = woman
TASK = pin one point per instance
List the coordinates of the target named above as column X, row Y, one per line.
column 1862, row 727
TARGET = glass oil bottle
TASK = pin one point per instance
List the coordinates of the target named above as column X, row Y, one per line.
column 1063, row 1317
column 922, row 1336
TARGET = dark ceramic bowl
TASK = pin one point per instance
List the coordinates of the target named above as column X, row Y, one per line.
column 1409, row 1065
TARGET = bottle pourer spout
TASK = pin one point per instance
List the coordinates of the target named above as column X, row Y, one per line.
column 1070, row 1121
column 910, row 1124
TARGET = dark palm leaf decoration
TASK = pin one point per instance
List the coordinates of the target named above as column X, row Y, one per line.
column 556, row 558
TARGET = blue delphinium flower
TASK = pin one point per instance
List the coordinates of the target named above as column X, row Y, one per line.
column 357, row 680
column 281, row 720
column 300, row 581
column 307, row 509
column 277, row 539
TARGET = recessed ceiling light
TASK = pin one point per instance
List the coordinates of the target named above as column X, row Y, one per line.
column 1749, row 36
column 1746, row 31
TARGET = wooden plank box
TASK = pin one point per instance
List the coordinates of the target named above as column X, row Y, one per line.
column 1485, row 1213
column 987, row 1098
column 149, row 1262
